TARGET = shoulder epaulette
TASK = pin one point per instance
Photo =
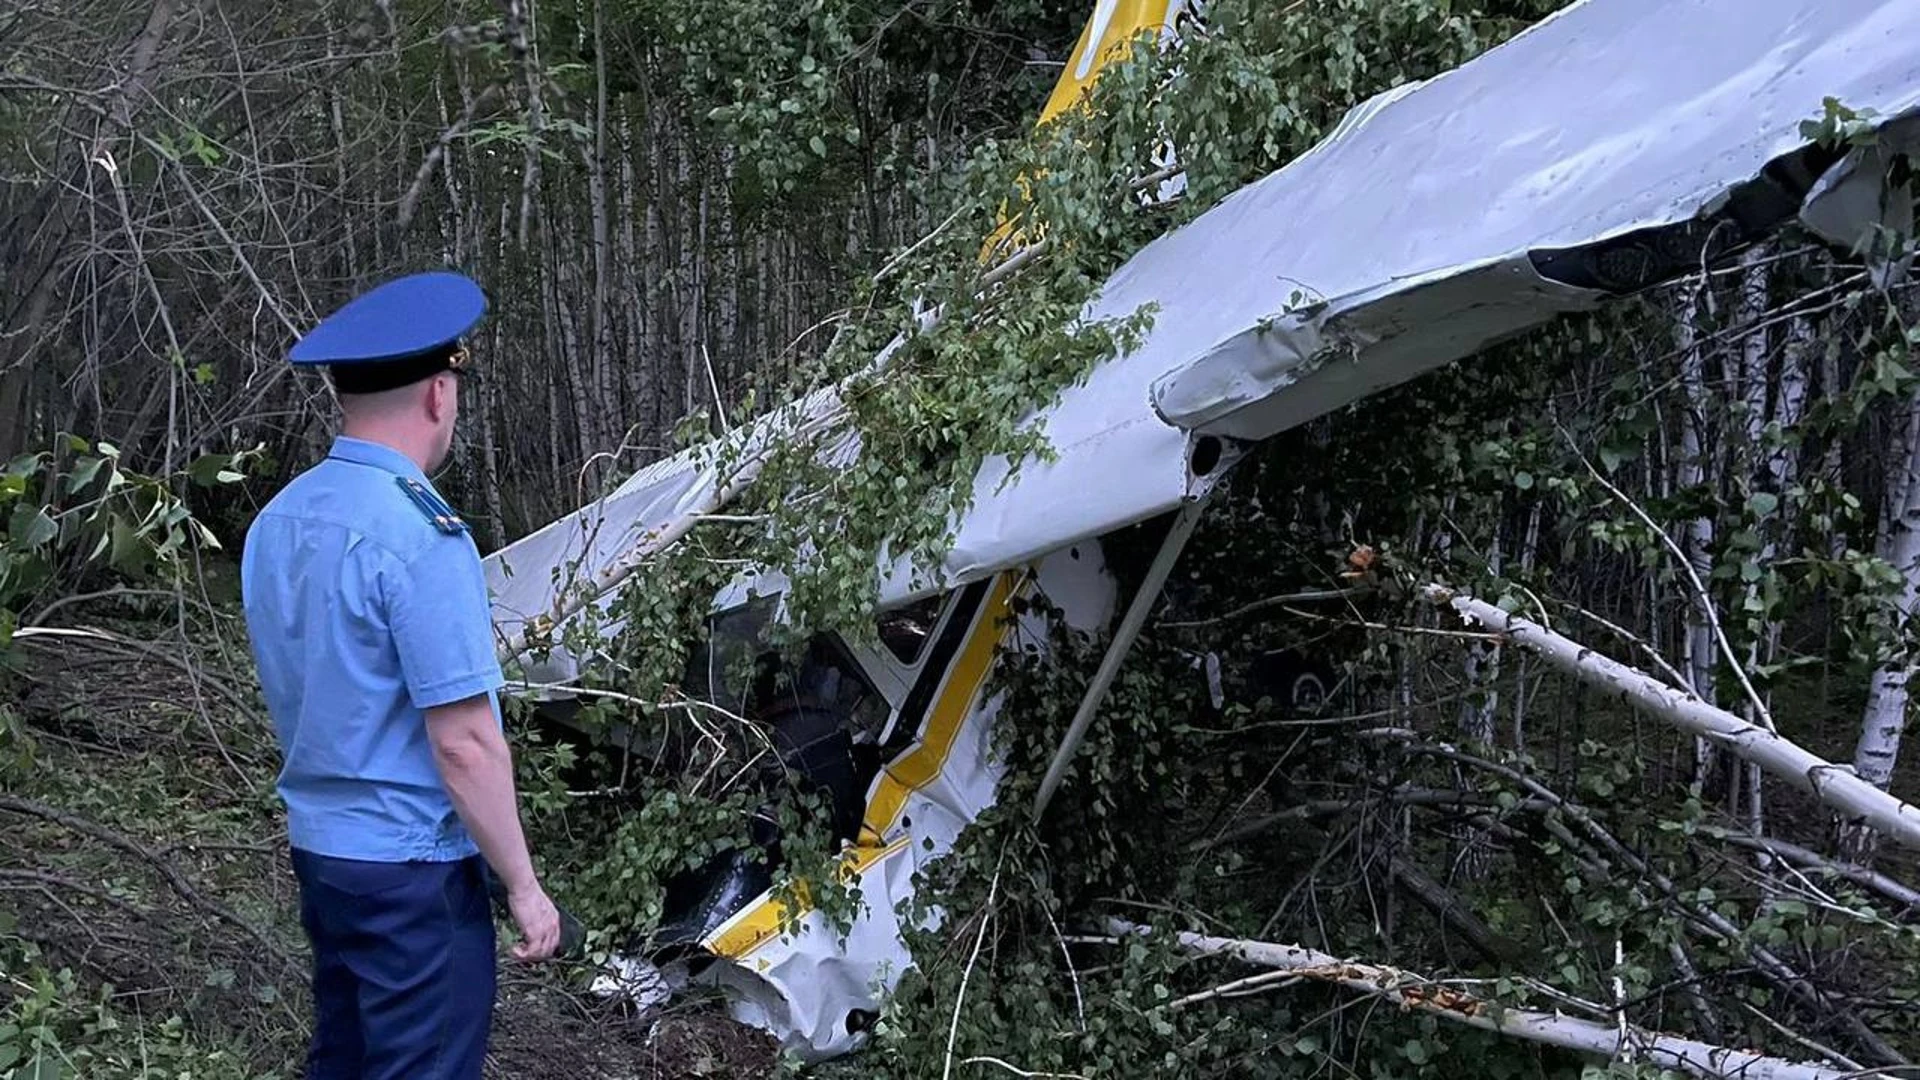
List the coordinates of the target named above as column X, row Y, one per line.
column 430, row 504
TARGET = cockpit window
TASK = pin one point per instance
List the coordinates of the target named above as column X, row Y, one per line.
column 819, row 710
column 906, row 631
column 721, row 670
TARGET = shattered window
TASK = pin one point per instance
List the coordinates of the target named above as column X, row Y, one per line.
column 905, row 631
column 826, row 678
column 819, row 711
column 823, row 716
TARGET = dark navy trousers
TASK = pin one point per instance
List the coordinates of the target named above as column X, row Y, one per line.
column 403, row 967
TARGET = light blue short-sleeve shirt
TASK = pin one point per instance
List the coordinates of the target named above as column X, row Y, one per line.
column 362, row 614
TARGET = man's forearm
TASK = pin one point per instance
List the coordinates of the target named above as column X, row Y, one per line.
column 478, row 772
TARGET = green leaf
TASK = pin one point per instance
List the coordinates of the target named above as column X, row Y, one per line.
column 83, row 473
column 208, row 469
column 31, row 527
column 1416, row 1052
column 1763, row 503
column 126, row 544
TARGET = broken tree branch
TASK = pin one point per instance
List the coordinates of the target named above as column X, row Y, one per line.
column 735, row 465
column 1700, row 594
column 1607, row 846
column 1411, row 991
column 1308, row 596
column 1888, row 888
column 439, row 152
column 1835, row 785
column 1442, row 902
column 172, row 876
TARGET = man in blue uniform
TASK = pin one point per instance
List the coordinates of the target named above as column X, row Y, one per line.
column 368, row 615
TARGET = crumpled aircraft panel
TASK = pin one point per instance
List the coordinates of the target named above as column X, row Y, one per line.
column 1408, row 238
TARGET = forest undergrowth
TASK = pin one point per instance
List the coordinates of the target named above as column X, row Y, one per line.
column 149, row 924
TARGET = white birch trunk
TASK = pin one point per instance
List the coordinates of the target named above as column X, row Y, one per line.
column 336, row 119
column 1754, row 383
column 1697, row 645
column 1830, row 460
column 576, row 357
column 598, row 403
column 489, row 448
column 1614, row 1040
column 524, row 29
column 657, row 288
column 555, row 354
column 1483, row 672
column 1835, row 785
column 632, row 355
column 1878, row 750
column 1477, row 717
column 692, row 252
column 1529, row 547
column 1404, row 690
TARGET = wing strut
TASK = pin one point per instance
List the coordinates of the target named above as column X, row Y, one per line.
column 1123, row 638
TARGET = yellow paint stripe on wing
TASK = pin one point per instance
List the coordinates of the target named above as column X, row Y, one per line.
column 1107, row 39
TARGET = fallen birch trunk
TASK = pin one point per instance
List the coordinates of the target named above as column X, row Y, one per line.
column 1888, row 888
column 1410, row 991
column 1836, row 785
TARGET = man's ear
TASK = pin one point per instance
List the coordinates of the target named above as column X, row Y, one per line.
column 440, row 392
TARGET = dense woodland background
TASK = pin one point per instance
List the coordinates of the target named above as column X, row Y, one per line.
column 686, row 211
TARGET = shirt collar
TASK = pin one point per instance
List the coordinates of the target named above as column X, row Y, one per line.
column 378, row 455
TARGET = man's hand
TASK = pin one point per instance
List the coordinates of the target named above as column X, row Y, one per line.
column 539, row 923
column 478, row 770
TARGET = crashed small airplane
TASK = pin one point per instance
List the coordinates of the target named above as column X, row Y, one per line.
column 1616, row 145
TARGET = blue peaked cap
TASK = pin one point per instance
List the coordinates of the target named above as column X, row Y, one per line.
column 398, row 332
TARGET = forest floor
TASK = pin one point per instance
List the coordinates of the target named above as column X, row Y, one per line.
column 142, row 850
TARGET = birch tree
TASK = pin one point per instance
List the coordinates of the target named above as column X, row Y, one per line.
column 1885, row 716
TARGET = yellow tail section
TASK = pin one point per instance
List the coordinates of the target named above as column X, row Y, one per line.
column 1107, row 39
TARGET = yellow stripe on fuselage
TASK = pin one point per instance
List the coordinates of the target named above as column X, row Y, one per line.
column 754, row 926
column 919, row 766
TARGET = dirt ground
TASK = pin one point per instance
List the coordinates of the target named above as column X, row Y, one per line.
column 538, row 1033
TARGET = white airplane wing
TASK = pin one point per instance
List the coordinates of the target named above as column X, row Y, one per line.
column 1603, row 150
